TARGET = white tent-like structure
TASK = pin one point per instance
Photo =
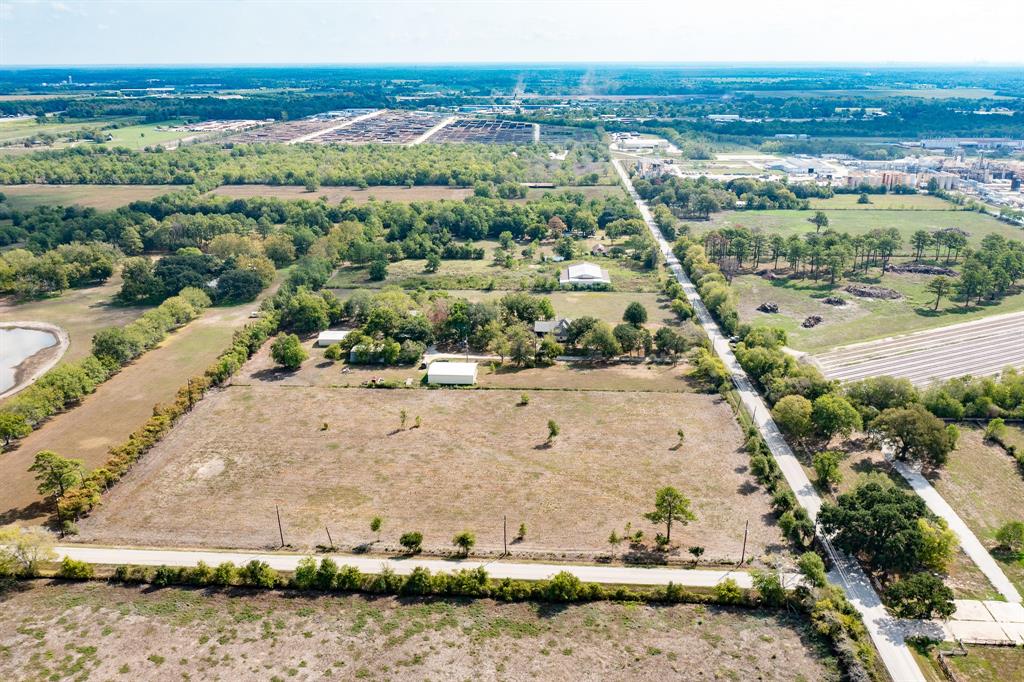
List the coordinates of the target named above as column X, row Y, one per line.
column 452, row 373
column 584, row 274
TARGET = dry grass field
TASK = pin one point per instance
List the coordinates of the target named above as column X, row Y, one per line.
column 98, row 631
column 118, row 407
column 102, row 197
column 337, row 194
column 584, row 376
column 981, row 664
column 215, row 480
column 983, row 484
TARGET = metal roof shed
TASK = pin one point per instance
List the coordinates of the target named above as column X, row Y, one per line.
column 330, row 336
column 452, row 373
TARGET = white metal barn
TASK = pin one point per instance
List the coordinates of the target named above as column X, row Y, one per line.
column 330, row 336
column 584, row 274
column 452, row 373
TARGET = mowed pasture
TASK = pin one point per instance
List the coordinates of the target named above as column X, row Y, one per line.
column 485, row 274
column 854, row 222
column 862, row 319
column 477, row 457
column 173, row 633
column 101, row 197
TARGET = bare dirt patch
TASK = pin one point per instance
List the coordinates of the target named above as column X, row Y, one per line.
column 107, row 632
column 477, row 456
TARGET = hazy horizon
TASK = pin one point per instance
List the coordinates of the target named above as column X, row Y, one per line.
column 398, row 32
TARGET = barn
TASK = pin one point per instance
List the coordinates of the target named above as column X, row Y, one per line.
column 452, row 373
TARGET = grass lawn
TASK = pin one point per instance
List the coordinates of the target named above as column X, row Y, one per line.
column 177, row 633
column 118, row 407
column 479, row 455
column 12, row 129
column 147, row 135
column 80, row 312
column 103, row 197
column 985, row 487
column 889, row 202
column 857, row 222
column 862, row 319
column 487, row 275
column 981, row 664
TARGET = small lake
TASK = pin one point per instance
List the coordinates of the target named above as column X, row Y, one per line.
column 16, row 345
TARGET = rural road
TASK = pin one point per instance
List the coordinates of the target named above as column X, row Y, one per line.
column 969, row 542
column 885, row 631
column 607, row 575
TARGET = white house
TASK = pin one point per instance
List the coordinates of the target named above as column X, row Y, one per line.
column 451, row 373
column 585, row 274
column 331, row 336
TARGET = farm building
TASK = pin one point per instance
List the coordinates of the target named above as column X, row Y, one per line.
column 452, row 373
column 584, row 274
column 331, row 336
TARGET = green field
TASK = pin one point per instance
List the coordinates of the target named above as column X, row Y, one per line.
column 14, row 129
column 861, row 320
column 853, row 222
column 140, row 136
column 889, row 202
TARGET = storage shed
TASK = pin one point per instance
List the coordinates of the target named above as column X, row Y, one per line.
column 452, row 373
column 330, row 336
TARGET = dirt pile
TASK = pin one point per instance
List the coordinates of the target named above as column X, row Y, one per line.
column 921, row 269
column 768, row 307
column 812, row 321
column 834, row 300
column 872, row 291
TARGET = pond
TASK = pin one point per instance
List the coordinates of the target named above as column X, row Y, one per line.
column 17, row 344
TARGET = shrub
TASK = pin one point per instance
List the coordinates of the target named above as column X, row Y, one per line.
column 464, row 541
column 812, row 568
column 224, row 575
column 1011, row 536
column 257, row 574
column 921, row 595
column 349, row 579
column 728, row 592
column 164, row 576
column 71, row 569
column 769, row 587
column 563, row 587
column 418, row 582
column 131, row 574
column 412, row 541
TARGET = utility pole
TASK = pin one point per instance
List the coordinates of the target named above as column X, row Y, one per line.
column 504, row 532
column 329, row 538
column 280, row 528
column 743, row 555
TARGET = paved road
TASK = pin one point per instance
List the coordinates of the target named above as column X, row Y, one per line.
column 885, row 631
column 343, row 124
column 968, row 540
column 608, row 575
column 980, row 348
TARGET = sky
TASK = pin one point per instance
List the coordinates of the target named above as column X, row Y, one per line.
column 81, row 32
